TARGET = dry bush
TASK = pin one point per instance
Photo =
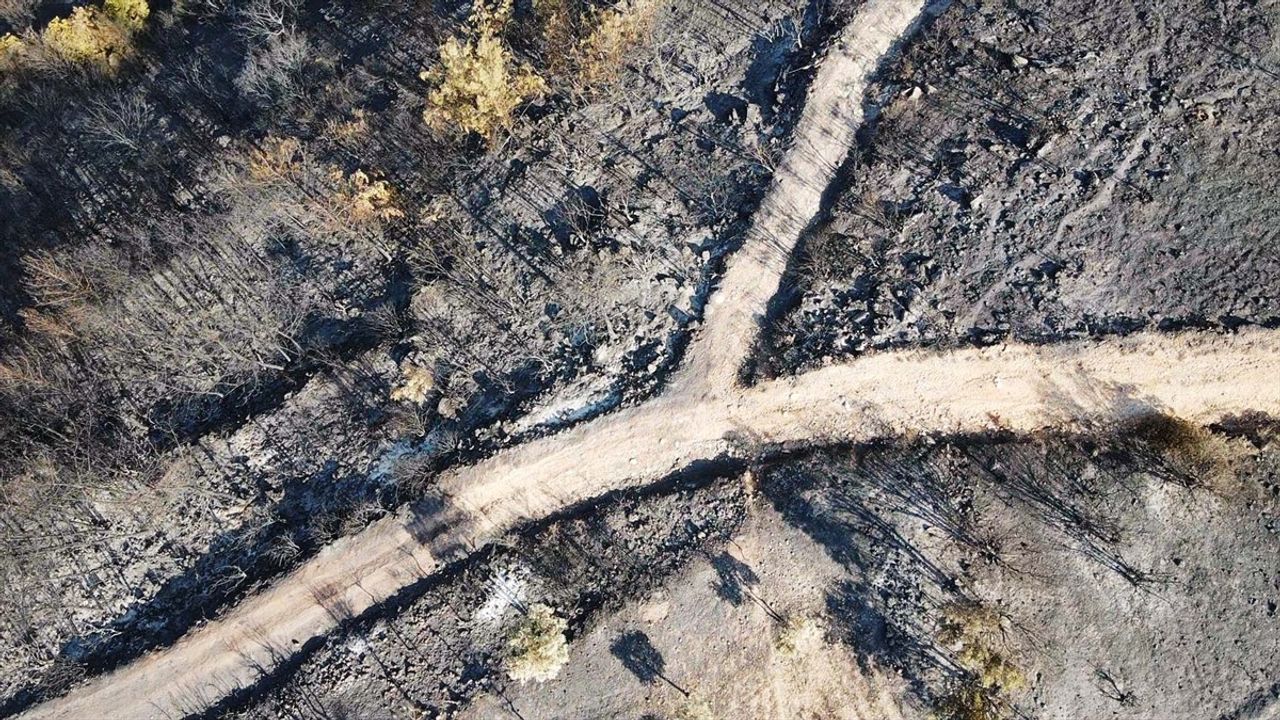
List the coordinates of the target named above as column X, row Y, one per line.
column 56, row 326
column 693, row 709
column 87, row 37
column 976, row 636
column 13, row 58
column 278, row 185
column 827, row 257
column 587, row 45
column 479, row 84
column 11, row 47
column 19, row 13
column 364, row 200
column 538, row 649
column 53, row 283
column 124, row 123
column 560, row 24
column 283, row 162
column 273, row 69
column 276, row 160
column 278, row 52
column 416, row 383
column 21, row 368
column 1196, row 453
column 615, row 33
column 796, row 632
column 129, row 14
column 341, row 129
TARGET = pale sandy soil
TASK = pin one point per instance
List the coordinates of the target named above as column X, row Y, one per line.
column 726, row 647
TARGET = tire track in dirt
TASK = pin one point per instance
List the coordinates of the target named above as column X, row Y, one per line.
column 702, row 416
column 1197, row 376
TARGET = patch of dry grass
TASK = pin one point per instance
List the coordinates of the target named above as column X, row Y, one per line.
column 1199, row 455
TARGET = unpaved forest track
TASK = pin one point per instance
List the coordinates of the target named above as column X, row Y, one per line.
column 703, row 415
column 823, row 136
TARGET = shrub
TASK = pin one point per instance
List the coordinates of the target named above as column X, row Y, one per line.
column 559, row 22
column 974, row 633
column 538, row 649
column 366, row 199
column 615, row 32
column 12, row 50
column 86, row 38
column 275, row 160
column 53, row 326
column 796, row 633
column 479, row 84
column 129, row 14
column 587, row 44
column 1193, row 451
column 19, row 13
column 10, row 46
column 275, row 65
column 693, row 709
column 416, row 384
column 54, row 283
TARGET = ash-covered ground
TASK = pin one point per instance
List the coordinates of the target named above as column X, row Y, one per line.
column 1047, row 171
column 277, row 304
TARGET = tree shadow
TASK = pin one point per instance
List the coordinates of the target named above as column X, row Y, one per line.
column 637, row 654
column 733, row 578
column 881, row 608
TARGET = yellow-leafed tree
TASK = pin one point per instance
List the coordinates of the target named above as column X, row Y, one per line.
column 85, row 37
column 479, row 84
column 130, row 14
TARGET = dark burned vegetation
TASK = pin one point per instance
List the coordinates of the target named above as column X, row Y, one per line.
column 271, row 265
column 450, row 643
column 262, row 276
column 957, row 550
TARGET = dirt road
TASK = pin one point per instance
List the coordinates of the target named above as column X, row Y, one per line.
column 823, row 137
column 704, row 415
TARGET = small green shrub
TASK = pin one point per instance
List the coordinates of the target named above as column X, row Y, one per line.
column 975, row 633
column 538, row 649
